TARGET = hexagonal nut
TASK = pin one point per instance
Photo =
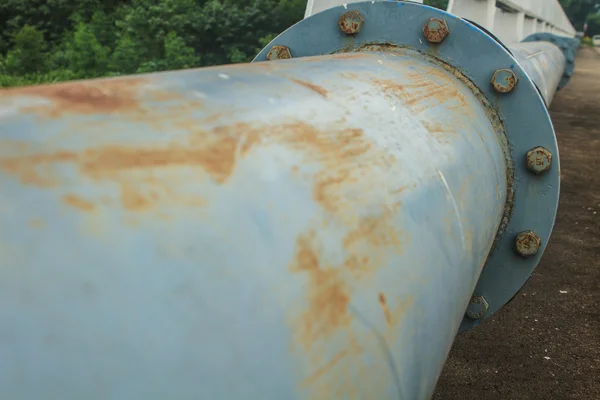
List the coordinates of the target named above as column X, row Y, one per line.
column 527, row 244
column 477, row 308
column 504, row 80
column 279, row 53
column 436, row 30
column 539, row 160
column 350, row 22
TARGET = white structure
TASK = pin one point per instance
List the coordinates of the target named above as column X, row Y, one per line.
column 513, row 20
column 510, row 20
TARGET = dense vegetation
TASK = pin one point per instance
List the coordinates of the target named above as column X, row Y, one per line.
column 55, row 40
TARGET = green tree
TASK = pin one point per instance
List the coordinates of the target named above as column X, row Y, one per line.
column 177, row 54
column 125, row 58
column 579, row 10
column 593, row 24
column 442, row 4
column 86, row 57
column 28, row 53
column 103, row 26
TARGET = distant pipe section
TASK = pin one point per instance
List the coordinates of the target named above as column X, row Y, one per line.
column 545, row 64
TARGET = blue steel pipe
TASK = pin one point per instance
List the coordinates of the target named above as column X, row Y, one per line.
column 545, row 64
column 311, row 228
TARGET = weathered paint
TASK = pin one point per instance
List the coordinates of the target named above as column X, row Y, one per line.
column 309, row 228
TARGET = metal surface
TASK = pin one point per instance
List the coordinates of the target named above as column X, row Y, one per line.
column 533, row 199
column 544, row 63
column 568, row 47
column 302, row 228
column 435, row 30
column 276, row 231
column 279, row 53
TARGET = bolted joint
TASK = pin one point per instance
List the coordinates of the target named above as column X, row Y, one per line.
column 527, row 244
column 477, row 308
column 279, row 53
column 539, row 160
column 350, row 22
column 435, row 30
column 504, row 80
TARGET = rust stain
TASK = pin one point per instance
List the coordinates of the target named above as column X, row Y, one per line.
column 133, row 200
column 315, row 88
column 217, row 158
column 325, row 368
column 400, row 309
column 377, row 231
column 348, row 56
column 423, row 88
column 249, row 140
column 436, row 127
column 386, row 310
column 92, row 97
column 215, row 151
column 328, row 296
column 339, row 188
column 79, row 203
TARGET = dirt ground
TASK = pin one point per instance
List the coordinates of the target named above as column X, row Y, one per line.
column 546, row 343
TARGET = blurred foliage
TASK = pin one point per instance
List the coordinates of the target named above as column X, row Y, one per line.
column 56, row 40
column 582, row 11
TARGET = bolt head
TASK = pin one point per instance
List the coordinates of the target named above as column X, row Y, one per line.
column 527, row 244
column 436, row 30
column 279, row 53
column 504, row 80
column 350, row 22
column 539, row 160
column 477, row 308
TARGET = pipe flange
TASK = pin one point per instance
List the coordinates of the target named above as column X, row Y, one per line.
column 567, row 45
column 533, row 198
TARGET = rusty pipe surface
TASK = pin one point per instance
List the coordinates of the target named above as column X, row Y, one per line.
column 544, row 62
column 310, row 228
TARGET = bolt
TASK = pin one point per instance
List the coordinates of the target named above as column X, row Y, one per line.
column 279, row 53
column 527, row 244
column 435, row 30
column 350, row 22
column 539, row 160
column 504, row 80
column 477, row 308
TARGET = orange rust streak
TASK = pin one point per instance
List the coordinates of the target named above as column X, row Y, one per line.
column 325, row 368
column 217, row 158
column 93, row 97
column 315, row 88
column 132, row 200
column 328, row 296
column 400, row 310
column 79, row 203
column 386, row 310
column 435, row 127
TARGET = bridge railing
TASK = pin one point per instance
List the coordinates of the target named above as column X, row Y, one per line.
column 510, row 20
column 513, row 20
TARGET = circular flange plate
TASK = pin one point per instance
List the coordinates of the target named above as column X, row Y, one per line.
column 523, row 112
column 567, row 45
